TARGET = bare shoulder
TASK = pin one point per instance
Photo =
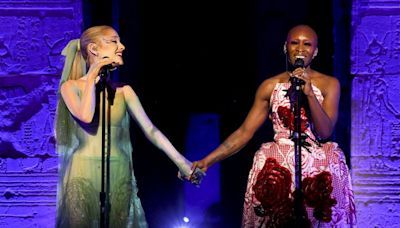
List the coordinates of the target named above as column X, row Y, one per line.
column 327, row 83
column 70, row 86
column 267, row 86
column 272, row 81
column 126, row 89
column 128, row 92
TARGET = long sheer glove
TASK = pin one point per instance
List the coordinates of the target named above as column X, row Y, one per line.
column 185, row 166
column 158, row 139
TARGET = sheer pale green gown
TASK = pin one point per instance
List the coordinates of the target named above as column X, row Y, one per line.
column 80, row 174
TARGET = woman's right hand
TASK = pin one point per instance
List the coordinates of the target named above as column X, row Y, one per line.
column 95, row 67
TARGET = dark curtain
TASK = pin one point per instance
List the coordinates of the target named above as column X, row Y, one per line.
column 210, row 56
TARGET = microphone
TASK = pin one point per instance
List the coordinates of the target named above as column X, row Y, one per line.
column 109, row 67
column 299, row 62
column 105, row 70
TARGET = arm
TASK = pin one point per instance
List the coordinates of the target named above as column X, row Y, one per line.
column 154, row 135
column 240, row 137
column 325, row 115
column 83, row 107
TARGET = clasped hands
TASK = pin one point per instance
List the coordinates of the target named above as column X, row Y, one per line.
column 302, row 74
column 197, row 173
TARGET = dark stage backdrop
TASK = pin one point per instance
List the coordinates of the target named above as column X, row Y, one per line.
column 186, row 57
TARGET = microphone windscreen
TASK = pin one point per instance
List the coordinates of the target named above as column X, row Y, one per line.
column 298, row 63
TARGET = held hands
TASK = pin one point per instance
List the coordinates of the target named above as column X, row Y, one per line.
column 195, row 177
column 201, row 164
column 199, row 171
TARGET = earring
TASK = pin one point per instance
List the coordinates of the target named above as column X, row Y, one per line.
column 285, row 48
column 315, row 53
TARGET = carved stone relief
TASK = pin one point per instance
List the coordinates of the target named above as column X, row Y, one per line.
column 375, row 136
column 32, row 37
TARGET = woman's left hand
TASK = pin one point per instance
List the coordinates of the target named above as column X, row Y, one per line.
column 302, row 74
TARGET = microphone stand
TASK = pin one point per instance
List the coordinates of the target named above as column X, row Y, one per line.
column 300, row 215
column 105, row 205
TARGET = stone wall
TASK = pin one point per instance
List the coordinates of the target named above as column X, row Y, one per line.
column 32, row 36
column 375, row 146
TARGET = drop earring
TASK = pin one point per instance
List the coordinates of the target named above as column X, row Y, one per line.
column 285, row 48
column 315, row 53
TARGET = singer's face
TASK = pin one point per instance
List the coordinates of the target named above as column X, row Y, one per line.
column 110, row 46
column 301, row 43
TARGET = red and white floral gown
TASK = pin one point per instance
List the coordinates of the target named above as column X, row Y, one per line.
column 326, row 182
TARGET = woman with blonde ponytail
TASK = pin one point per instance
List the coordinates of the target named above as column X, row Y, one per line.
column 78, row 134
